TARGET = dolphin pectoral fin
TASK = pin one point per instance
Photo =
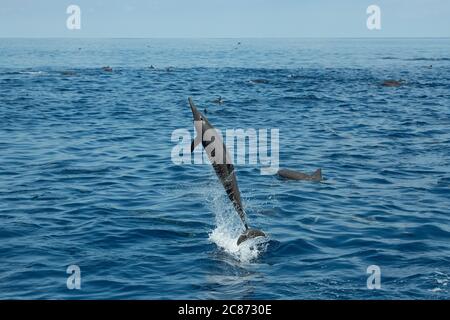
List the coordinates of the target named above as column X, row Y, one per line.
column 250, row 234
column 195, row 143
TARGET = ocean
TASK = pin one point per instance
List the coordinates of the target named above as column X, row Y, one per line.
column 87, row 176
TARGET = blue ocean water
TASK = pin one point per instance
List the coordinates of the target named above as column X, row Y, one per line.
column 86, row 175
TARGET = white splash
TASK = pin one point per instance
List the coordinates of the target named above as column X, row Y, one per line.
column 246, row 252
column 229, row 227
column 33, row 73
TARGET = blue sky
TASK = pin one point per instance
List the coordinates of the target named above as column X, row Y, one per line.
column 225, row 18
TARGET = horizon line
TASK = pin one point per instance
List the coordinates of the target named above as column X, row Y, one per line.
column 253, row 37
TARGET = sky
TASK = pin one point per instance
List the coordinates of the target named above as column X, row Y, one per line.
column 224, row 18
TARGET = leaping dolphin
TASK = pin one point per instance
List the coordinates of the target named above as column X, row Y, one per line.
column 220, row 160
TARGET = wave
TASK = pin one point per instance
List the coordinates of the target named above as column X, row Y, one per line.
column 416, row 58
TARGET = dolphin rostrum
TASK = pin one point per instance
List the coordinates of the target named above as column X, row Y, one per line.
column 218, row 154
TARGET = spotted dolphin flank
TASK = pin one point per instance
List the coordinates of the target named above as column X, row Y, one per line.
column 220, row 160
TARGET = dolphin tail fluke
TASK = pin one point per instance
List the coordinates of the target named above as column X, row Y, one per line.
column 250, row 234
column 317, row 175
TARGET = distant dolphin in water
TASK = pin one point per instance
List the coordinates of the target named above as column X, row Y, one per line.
column 220, row 160
column 392, row 83
column 255, row 81
column 219, row 100
column 68, row 73
column 294, row 175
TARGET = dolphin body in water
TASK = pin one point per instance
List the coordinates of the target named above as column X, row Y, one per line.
column 220, row 160
column 295, row 175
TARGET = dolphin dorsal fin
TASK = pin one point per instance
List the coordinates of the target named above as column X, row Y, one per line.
column 317, row 174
